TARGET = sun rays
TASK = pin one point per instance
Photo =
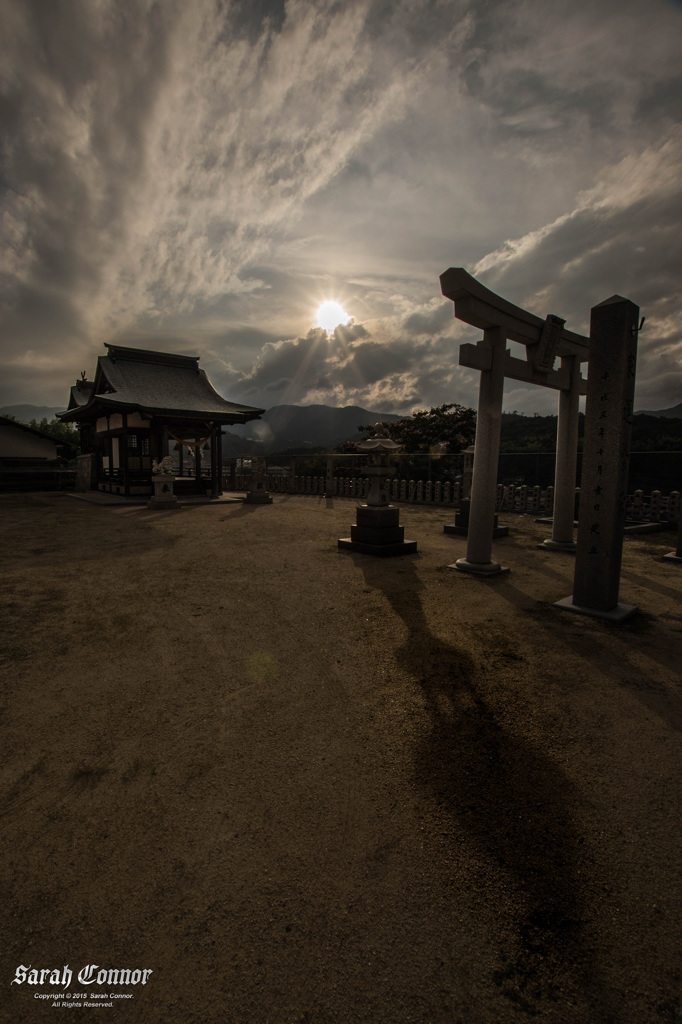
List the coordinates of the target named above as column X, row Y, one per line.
column 330, row 315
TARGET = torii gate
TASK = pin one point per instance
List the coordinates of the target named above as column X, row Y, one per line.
column 613, row 329
column 544, row 340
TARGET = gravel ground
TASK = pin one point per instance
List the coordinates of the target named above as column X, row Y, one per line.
column 305, row 785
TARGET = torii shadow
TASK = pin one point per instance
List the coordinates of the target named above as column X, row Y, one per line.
column 514, row 802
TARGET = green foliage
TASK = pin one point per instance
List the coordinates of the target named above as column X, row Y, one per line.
column 445, row 429
column 538, row 433
column 656, row 434
column 63, row 433
column 521, row 433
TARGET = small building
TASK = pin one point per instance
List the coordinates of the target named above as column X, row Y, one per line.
column 143, row 406
column 19, row 442
column 29, row 459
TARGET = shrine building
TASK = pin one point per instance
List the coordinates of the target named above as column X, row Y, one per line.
column 143, row 406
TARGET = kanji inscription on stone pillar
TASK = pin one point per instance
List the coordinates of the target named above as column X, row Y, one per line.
column 603, row 485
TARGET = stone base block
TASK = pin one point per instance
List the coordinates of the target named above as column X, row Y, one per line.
column 617, row 614
column 406, row 547
column 258, row 498
column 377, row 516
column 163, row 496
column 672, row 556
column 378, row 534
column 559, row 545
column 479, row 568
column 633, row 527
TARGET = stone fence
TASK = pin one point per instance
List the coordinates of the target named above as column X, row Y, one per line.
column 655, row 507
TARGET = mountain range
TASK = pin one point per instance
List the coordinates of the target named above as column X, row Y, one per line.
column 26, row 413
column 288, row 427
column 674, row 413
column 281, row 428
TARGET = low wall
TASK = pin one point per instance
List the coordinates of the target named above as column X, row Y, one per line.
column 654, row 507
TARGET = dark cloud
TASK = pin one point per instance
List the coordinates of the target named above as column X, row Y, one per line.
column 250, row 18
column 201, row 176
column 429, row 323
column 277, row 385
column 624, row 238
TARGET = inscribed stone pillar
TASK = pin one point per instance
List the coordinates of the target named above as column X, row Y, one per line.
column 566, row 461
column 603, row 490
column 486, row 455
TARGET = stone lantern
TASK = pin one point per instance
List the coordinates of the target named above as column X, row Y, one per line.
column 377, row 530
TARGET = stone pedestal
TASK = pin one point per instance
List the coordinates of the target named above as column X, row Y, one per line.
column 479, row 568
column 461, row 527
column 163, row 496
column 257, row 493
column 558, row 545
column 378, row 532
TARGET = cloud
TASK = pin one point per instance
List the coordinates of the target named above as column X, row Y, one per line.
column 200, row 176
column 623, row 237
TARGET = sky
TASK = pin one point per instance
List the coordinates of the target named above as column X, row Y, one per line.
column 199, row 177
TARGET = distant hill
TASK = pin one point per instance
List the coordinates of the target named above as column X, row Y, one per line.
column 650, row 433
column 26, row 413
column 286, row 427
column 281, row 428
column 674, row 413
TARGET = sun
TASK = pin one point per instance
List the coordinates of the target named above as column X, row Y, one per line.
column 330, row 314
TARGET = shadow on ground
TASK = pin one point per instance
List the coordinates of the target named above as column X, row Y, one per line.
column 565, row 629
column 516, row 805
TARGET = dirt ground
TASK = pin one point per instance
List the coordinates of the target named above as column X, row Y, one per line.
column 305, row 785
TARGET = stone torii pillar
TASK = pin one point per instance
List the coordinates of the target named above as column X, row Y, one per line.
column 487, row 448
column 544, row 340
column 603, row 487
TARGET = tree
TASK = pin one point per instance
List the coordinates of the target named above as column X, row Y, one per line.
column 63, row 433
column 446, row 429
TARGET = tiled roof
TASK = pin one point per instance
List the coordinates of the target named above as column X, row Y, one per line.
column 81, row 393
column 158, row 381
